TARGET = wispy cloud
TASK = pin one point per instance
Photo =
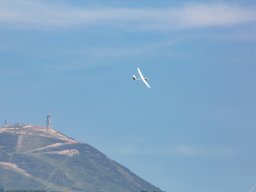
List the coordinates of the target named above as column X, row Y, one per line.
column 179, row 150
column 204, row 151
column 252, row 189
column 39, row 13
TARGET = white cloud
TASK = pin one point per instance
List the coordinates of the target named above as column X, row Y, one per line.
column 38, row 13
column 213, row 15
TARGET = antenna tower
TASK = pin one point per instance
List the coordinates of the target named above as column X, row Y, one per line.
column 48, row 121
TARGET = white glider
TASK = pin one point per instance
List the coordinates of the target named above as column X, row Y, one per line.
column 141, row 78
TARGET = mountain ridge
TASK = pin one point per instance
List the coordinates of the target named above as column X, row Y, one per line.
column 36, row 157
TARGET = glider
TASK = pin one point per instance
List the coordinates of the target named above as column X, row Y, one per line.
column 144, row 79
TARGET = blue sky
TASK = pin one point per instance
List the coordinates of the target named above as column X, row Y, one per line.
column 193, row 131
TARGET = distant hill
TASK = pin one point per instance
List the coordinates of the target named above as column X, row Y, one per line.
column 39, row 158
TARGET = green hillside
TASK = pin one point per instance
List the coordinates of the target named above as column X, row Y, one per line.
column 38, row 158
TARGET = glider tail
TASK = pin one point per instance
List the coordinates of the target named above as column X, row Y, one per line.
column 134, row 77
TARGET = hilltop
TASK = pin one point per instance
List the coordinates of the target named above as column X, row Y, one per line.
column 41, row 158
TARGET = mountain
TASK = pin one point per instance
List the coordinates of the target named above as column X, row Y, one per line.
column 41, row 158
